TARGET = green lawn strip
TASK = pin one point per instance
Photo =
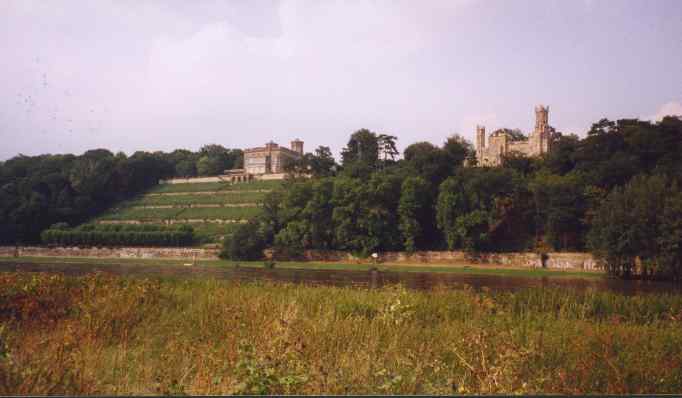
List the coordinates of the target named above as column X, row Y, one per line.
column 189, row 187
column 215, row 186
column 214, row 228
column 189, row 199
column 221, row 213
column 253, row 185
column 470, row 270
column 213, row 232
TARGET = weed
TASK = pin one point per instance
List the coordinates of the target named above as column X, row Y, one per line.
column 102, row 334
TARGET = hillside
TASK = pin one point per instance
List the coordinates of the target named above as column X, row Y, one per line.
column 212, row 209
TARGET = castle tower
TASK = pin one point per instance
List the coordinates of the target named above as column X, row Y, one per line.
column 297, row 146
column 541, row 132
column 480, row 137
column 541, row 118
column 480, row 142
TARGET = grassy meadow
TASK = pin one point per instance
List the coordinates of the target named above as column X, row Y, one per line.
column 112, row 335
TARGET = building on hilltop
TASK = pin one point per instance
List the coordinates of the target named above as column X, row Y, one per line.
column 271, row 158
column 266, row 162
column 261, row 163
column 500, row 143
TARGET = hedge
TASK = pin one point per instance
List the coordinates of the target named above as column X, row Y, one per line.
column 84, row 237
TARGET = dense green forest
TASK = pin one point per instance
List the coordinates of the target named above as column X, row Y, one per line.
column 615, row 193
column 38, row 191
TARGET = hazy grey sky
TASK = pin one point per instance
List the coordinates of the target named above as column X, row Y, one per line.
column 159, row 75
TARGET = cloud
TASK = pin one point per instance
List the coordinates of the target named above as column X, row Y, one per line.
column 346, row 62
column 672, row 108
column 158, row 75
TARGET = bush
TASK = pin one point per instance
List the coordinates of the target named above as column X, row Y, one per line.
column 60, row 226
column 247, row 243
column 289, row 241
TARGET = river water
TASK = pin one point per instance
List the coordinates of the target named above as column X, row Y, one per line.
column 360, row 279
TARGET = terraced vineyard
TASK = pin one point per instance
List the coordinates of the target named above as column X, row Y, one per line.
column 213, row 209
column 235, row 214
column 230, row 197
column 215, row 186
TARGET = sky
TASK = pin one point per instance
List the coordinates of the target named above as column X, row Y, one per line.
column 129, row 75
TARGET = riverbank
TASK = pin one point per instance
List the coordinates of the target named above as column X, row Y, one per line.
column 559, row 260
column 456, row 268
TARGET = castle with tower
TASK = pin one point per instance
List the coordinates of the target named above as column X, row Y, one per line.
column 500, row 143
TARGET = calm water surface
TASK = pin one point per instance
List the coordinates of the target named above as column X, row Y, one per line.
column 361, row 279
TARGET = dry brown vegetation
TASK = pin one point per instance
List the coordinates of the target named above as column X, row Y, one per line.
column 110, row 335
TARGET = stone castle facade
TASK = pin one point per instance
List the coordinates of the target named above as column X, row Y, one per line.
column 500, row 143
column 271, row 158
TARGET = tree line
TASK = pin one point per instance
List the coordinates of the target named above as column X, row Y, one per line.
column 38, row 191
column 615, row 193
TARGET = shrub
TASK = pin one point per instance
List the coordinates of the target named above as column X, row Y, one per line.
column 289, row 242
column 247, row 243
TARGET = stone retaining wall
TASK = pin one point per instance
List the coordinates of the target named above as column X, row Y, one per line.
column 582, row 261
column 222, row 178
column 566, row 261
column 175, row 221
column 192, row 193
column 197, row 206
column 193, row 180
column 109, row 252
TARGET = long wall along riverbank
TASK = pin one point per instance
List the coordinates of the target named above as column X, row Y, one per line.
column 559, row 261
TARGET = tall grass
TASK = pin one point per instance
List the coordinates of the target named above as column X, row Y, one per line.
column 109, row 335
